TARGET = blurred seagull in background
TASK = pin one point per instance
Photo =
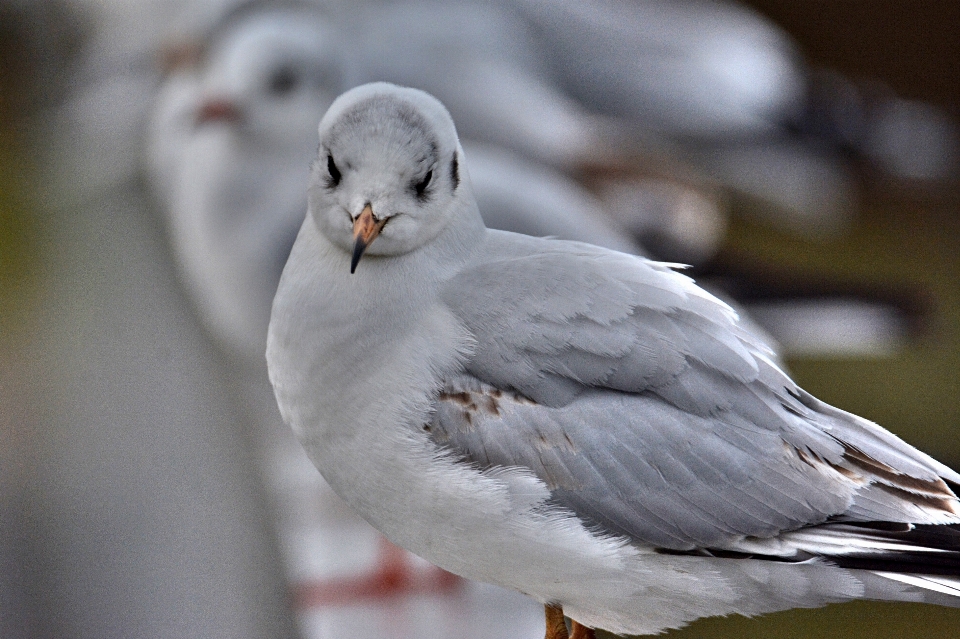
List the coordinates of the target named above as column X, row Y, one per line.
column 707, row 88
column 228, row 155
column 587, row 427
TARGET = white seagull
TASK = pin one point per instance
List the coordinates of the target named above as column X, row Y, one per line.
column 585, row 426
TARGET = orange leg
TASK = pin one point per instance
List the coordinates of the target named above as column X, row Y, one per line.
column 581, row 632
column 556, row 627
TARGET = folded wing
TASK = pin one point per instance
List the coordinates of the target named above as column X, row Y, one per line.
column 647, row 409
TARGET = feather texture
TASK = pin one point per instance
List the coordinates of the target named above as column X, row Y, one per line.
column 637, row 399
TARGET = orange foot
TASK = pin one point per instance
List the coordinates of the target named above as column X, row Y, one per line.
column 557, row 627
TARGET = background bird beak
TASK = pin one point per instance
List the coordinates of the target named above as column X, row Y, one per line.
column 218, row 110
column 365, row 230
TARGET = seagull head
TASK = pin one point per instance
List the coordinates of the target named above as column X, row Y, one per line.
column 387, row 178
column 271, row 72
column 231, row 140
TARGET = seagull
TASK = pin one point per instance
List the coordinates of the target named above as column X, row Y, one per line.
column 701, row 70
column 584, row 426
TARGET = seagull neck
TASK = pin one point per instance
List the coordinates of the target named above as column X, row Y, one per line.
column 375, row 344
column 388, row 281
column 361, row 320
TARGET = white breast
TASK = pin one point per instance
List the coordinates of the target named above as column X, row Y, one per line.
column 365, row 434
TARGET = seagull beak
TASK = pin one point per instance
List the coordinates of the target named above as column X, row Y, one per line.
column 365, row 230
column 218, row 110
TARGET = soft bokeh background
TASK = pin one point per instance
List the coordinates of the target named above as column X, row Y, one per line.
column 128, row 501
column 901, row 240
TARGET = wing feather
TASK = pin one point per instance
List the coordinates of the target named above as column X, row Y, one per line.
column 647, row 409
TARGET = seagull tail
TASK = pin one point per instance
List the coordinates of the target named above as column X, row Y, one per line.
column 949, row 586
column 913, row 562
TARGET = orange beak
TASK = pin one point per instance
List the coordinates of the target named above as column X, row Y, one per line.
column 365, row 230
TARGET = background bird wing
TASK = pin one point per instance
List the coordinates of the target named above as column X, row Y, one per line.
column 640, row 401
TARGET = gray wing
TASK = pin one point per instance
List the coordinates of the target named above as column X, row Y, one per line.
column 647, row 409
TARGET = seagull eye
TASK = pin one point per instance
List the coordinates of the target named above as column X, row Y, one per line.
column 283, row 81
column 334, row 176
column 421, row 186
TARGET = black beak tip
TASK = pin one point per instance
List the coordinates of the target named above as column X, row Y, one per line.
column 358, row 250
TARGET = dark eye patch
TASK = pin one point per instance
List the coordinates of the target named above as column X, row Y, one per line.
column 454, row 172
column 333, row 173
column 420, row 187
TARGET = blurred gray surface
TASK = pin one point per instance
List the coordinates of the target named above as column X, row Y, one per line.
column 147, row 513
column 134, row 510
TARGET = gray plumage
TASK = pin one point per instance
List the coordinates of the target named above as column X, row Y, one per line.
column 644, row 407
